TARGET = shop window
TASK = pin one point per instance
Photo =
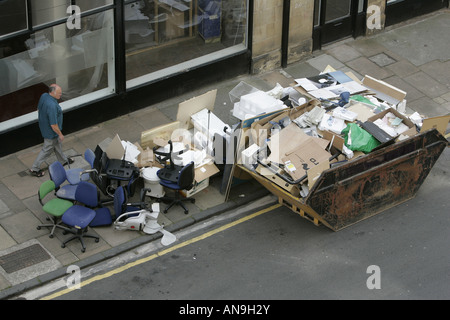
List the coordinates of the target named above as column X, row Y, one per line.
column 80, row 60
column 86, row 5
column 164, row 37
column 13, row 16
column 337, row 9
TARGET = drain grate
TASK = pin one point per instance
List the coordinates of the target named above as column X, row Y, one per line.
column 23, row 258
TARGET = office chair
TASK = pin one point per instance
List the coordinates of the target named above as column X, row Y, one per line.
column 108, row 173
column 54, row 208
column 95, row 172
column 181, row 179
column 59, row 176
column 84, row 214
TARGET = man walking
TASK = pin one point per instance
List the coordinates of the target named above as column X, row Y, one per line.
column 50, row 123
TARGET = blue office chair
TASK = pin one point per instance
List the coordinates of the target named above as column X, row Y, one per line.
column 85, row 213
column 122, row 206
column 183, row 180
column 59, row 176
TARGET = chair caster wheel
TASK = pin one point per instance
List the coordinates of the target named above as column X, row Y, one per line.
column 97, row 240
column 50, row 236
column 192, row 200
column 63, row 246
column 83, row 250
column 39, row 228
column 186, row 211
column 165, row 211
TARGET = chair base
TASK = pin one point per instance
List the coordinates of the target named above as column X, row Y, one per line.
column 53, row 225
column 79, row 234
column 176, row 200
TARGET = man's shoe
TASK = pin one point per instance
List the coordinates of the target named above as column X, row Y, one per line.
column 69, row 161
column 38, row 174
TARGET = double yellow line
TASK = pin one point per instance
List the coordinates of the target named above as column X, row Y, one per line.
column 162, row 253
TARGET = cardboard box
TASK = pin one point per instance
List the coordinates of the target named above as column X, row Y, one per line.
column 411, row 127
column 146, row 157
column 201, row 180
column 198, row 186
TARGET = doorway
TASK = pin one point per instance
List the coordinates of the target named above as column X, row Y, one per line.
column 335, row 20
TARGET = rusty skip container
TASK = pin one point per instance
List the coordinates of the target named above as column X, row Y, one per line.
column 366, row 186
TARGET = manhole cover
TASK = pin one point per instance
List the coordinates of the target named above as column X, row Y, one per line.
column 23, row 258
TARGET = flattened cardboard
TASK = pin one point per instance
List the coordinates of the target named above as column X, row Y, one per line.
column 115, row 149
column 289, row 139
column 163, row 132
column 364, row 112
column 145, row 158
column 306, row 156
column 439, row 123
column 194, row 105
column 384, row 91
column 282, row 142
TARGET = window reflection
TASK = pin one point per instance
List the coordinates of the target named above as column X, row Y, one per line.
column 80, row 61
column 165, row 33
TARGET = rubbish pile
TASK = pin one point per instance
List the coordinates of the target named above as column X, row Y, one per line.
column 339, row 119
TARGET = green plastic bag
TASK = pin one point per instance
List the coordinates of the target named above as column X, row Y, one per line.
column 358, row 139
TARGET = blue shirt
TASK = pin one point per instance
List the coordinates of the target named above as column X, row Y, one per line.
column 50, row 113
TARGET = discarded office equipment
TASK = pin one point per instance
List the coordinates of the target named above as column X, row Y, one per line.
column 341, row 186
column 145, row 221
column 151, row 181
column 364, row 187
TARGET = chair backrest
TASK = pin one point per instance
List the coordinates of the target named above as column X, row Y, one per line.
column 87, row 194
column 89, row 156
column 99, row 159
column 45, row 188
column 57, row 173
column 119, row 200
column 186, row 176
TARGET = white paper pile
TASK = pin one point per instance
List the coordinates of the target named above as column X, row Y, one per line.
column 332, row 124
column 345, row 114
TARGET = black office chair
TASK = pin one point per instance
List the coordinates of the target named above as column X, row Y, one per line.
column 181, row 178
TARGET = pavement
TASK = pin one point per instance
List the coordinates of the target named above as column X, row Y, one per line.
column 413, row 56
